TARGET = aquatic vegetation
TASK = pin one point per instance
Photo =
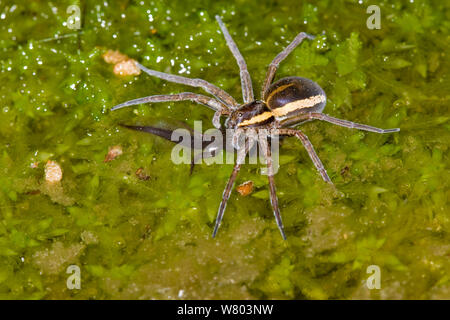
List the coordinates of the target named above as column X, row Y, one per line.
column 150, row 238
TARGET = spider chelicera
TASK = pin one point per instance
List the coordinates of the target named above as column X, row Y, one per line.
column 285, row 103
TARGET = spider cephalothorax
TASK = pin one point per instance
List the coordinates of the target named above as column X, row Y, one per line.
column 284, row 103
column 253, row 114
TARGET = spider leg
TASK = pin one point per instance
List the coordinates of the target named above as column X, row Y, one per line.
column 280, row 57
column 336, row 121
column 246, row 81
column 273, row 192
column 198, row 98
column 242, row 153
column 349, row 124
column 225, row 197
column 295, row 120
column 216, row 119
column 199, row 83
column 309, row 147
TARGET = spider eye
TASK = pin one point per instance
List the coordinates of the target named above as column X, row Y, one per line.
column 240, row 114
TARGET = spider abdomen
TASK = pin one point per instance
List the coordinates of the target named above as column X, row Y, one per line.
column 294, row 95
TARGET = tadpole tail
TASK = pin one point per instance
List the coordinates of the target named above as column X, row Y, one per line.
column 167, row 134
column 160, row 132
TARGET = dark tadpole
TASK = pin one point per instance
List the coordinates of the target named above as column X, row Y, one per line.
column 166, row 133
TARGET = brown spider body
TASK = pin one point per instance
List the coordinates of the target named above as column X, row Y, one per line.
column 285, row 99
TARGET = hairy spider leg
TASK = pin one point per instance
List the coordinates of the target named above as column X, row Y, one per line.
column 265, row 146
column 198, row 98
column 280, row 57
column 336, row 121
column 225, row 197
column 242, row 153
column 309, row 148
column 246, row 81
column 199, row 83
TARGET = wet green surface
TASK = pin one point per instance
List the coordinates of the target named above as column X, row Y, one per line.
column 144, row 239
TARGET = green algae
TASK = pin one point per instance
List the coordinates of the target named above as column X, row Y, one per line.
column 141, row 239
